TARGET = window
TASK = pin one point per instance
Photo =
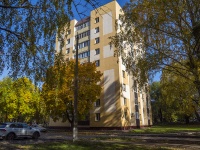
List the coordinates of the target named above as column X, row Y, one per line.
column 83, row 44
column 97, row 117
column 125, row 114
column 97, row 103
column 124, row 87
column 68, row 41
column 67, row 50
column 125, row 101
column 83, row 55
column 12, row 126
column 97, row 40
column 97, row 62
column 84, row 34
column 25, row 126
column 97, row 20
column 137, row 115
column 97, row 30
column 123, row 73
column 97, row 51
column 81, row 26
column 68, row 32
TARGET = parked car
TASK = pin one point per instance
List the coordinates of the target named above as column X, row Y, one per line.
column 13, row 130
column 39, row 127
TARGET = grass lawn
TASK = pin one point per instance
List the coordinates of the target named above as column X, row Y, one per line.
column 81, row 145
column 169, row 129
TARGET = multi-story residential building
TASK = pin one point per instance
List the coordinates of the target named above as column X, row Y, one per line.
column 121, row 104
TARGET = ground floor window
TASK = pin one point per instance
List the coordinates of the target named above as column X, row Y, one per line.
column 97, row 117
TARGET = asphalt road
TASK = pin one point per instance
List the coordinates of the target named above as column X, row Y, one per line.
column 177, row 141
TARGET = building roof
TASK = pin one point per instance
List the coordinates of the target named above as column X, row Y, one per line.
column 83, row 21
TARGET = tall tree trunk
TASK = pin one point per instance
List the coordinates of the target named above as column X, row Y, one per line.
column 187, row 119
column 197, row 115
column 160, row 115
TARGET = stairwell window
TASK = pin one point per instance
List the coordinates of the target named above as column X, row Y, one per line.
column 123, row 73
column 97, row 20
column 97, row 117
column 67, row 50
column 97, row 62
column 68, row 41
column 125, row 115
column 96, row 29
column 97, row 51
column 68, row 32
column 97, row 40
column 124, row 87
column 97, row 103
column 125, row 101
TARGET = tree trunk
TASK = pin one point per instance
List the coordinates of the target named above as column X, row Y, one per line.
column 187, row 119
column 160, row 115
column 197, row 115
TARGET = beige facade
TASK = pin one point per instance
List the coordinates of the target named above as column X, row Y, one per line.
column 120, row 105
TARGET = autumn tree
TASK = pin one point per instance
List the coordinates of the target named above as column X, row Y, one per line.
column 156, row 98
column 58, row 89
column 28, row 30
column 179, row 96
column 164, row 32
column 7, row 97
column 19, row 100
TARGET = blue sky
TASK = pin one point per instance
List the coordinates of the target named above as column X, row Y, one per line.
column 87, row 13
column 88, row 8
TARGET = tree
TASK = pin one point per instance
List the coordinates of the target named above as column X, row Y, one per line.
column 19, row 100
column 161, row 32
column 28, row 31
column 7, row 97
column 58, row 89
column 178, row 96
column 156, row 97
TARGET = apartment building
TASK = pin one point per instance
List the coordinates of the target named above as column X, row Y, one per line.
column 122, row 104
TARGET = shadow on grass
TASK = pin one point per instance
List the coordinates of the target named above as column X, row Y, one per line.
column 79, row 145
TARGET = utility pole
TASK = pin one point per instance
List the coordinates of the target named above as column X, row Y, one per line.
column 75, row 127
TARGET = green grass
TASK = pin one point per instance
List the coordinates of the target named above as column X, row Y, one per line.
column 82, row 145
column 169, row 129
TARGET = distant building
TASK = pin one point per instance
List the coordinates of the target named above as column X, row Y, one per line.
column 122, row 104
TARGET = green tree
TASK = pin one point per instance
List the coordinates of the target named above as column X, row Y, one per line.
column 156, row 97
column 167, row 32
column 28, row 29
column 19, row 99
column 178, row 96
column 58, row 89
column 7, row 98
